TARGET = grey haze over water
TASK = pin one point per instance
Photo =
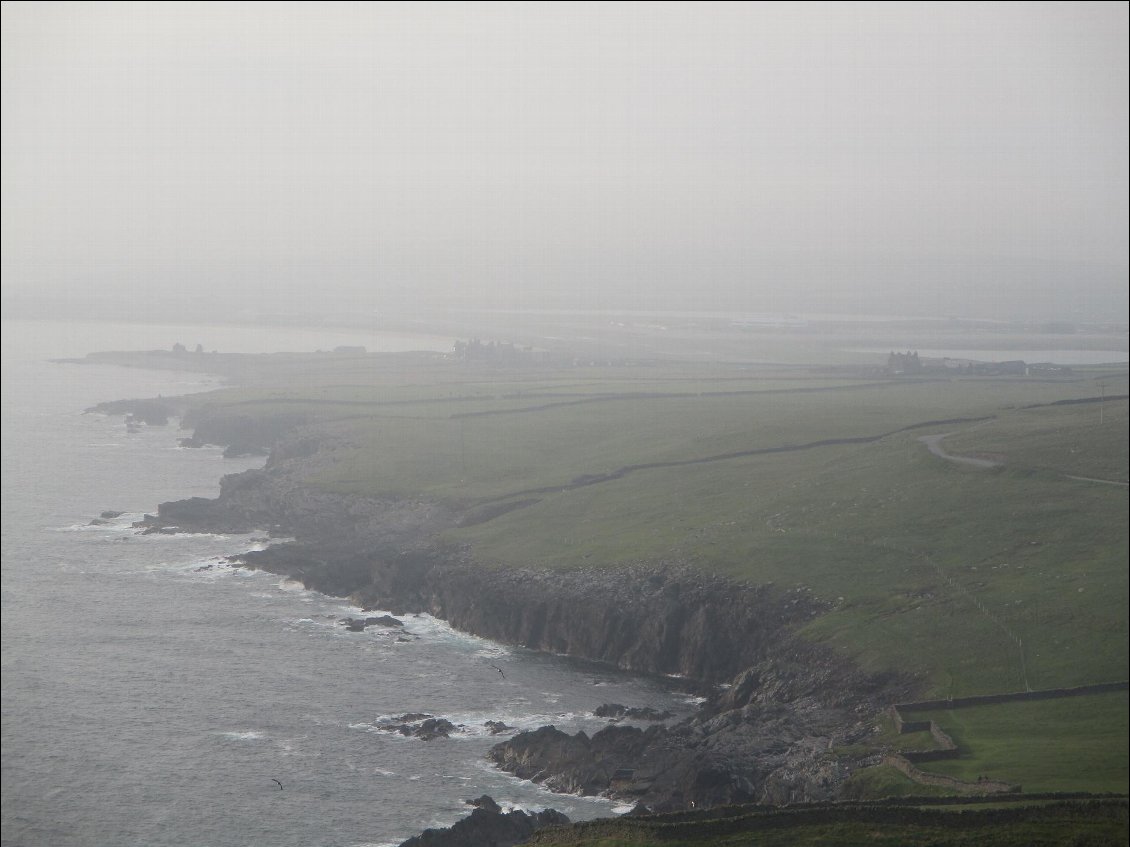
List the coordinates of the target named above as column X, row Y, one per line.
column 198, row 159
column 149, row 702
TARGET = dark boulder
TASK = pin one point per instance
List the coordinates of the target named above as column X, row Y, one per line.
column 485, row 802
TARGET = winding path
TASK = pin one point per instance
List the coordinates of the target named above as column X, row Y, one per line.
column 934, row 444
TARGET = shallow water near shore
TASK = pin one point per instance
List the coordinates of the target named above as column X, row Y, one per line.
column 152, row 694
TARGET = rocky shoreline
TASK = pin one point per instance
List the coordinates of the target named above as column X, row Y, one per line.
column 778, row 704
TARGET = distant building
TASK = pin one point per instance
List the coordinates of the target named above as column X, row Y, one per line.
column 903, row 363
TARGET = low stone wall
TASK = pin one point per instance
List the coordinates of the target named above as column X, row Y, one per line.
column 947, row 749
column 988, row 699
column 908, row 727
column 982, row 786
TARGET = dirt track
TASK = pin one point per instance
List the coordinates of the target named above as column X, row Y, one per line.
column 934, row 444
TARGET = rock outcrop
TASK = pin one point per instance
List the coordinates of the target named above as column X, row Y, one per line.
column 488, row 825
column 419, row 725
column 765, row 739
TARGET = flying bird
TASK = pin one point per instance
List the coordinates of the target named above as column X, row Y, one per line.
column 497, row 668
column 279, row 783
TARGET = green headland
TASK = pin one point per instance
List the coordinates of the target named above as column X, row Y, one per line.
column 811, row 472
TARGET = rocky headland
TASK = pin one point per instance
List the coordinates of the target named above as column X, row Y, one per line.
column 777, row 704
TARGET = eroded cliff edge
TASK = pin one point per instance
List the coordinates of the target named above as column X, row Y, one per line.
column 779, row 704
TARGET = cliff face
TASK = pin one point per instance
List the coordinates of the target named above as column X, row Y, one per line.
column 655, row 619
column 659, row 618
column 764, row 738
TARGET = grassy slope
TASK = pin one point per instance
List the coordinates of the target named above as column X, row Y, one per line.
column 928, row 566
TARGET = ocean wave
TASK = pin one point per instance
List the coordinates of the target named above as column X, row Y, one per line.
column 293, row 586
column 496, row 772
column 331, row 625
column 426, row 625
column 122, row 523
column 178, row 534
column 244, row 735
column 472, row 726
column 521, row 721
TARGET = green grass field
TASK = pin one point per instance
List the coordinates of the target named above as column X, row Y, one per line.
column 1072, row 744
column 974, row 580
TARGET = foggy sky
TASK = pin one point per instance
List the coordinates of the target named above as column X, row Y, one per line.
column 962, row 158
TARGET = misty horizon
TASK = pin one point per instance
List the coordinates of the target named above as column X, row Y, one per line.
column 965, row 159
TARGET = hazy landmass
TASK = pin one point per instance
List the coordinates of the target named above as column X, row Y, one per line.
column 791, row 362
column 605, row 506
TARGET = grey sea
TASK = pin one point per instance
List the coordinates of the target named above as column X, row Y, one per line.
column 152, row 693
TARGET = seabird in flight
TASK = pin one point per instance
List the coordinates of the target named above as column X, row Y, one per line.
column 279, row 783
column 497, row 668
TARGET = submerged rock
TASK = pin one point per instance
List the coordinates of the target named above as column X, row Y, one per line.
column 644, row 713
column 420, row 725
column 360, row 624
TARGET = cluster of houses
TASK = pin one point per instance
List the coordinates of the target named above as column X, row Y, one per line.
column 506, row 353
column 909, row 363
